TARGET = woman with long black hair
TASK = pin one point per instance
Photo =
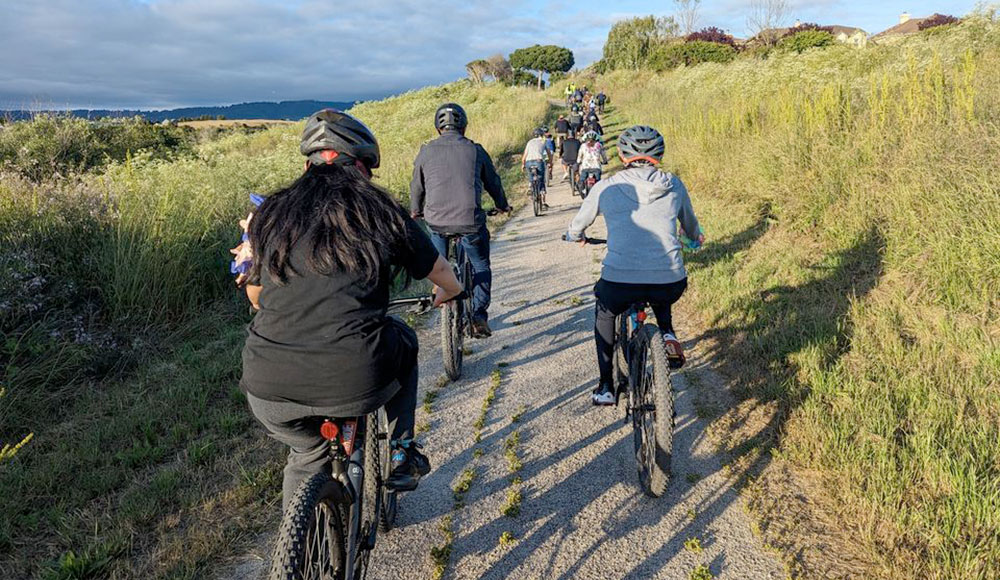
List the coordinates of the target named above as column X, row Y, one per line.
column 327, row 250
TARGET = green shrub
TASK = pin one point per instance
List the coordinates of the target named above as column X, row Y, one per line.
column 806, row 39
column 51, row 146
column 690, row 53
column 631, row 42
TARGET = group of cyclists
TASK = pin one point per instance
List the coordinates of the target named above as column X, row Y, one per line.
column 578, row 143
column 321, row 256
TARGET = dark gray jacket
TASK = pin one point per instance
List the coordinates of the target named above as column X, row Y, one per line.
column 449, row 176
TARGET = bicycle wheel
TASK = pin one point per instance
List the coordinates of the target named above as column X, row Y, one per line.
column 536, row 198
column 390, row 499
column 311, row 539
column 620, row 359
column 451, row 338
column 652, row 411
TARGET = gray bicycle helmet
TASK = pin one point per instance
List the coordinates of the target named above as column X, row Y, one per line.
column 450, row 116
column 539, row 132
column 333, row 136
column 641, row 143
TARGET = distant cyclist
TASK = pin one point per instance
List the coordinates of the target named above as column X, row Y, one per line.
column 568, row 93
column 534, row 156
column 324, row 253
column 591, row 158
column 562, row 129
column 550, row 152
column 575, row 120
column 641, row 206
column 590, row 125
column 568, row 153
column 449, row 176
column 601, row 99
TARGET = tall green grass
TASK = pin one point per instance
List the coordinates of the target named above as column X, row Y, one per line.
column 853, row 273
column 151, row 472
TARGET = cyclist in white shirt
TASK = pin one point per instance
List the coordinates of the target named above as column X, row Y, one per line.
column 536, row 155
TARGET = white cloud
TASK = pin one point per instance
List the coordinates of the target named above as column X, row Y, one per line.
column 178, row 52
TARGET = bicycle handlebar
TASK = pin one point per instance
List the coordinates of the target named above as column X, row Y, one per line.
column 592, row 241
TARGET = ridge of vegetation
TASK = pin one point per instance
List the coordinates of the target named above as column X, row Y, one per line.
column 850, row 285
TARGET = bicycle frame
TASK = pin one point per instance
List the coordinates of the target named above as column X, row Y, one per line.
column 347, row 458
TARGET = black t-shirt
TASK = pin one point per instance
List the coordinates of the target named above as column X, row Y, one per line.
column 570, row 149
column 562, row 126
column 324, row 340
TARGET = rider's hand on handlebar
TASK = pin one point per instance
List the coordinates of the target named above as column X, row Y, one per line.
column 441, row 296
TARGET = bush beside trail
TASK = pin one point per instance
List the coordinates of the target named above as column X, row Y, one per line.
column 850, row 287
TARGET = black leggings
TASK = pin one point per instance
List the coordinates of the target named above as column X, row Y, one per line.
column 613, row 298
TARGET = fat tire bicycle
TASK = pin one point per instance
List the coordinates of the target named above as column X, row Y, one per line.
column 642, row 374
column 332, row 520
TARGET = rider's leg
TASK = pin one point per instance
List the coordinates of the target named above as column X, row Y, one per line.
column 612, row 299
column 477, row 248
column 661, row 297
column 408, row 463
column 401, row 409
column 296, row 426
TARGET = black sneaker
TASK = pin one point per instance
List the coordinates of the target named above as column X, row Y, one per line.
column 408, row 466
column 481, row 328
column 603, row 395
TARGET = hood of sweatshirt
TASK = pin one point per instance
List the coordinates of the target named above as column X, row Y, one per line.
column 648, row 184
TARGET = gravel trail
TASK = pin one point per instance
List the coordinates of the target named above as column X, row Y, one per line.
column 582, row 513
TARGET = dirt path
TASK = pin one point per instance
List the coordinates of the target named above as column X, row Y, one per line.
column 582, row 514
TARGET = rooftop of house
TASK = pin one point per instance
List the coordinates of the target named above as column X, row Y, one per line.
column 907, row 25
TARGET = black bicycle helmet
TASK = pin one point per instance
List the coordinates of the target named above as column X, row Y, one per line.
column 450, row 116
column 641, row 143
column 538, row 132
column 333, row 136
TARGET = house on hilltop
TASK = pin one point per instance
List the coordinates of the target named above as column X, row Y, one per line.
column 850, row 35
column 845, row 34
column 907, row 25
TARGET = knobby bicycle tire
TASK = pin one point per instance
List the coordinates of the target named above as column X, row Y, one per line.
column 299, row 534
column 536, row 198
column 390, row 499
column 451, row 339
column 649, row 378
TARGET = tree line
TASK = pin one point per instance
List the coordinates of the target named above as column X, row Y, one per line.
column 526, row 66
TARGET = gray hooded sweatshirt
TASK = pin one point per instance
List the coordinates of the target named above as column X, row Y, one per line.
column 641, row 207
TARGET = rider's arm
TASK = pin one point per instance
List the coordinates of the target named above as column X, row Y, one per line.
column 586, row 216
column 253, row 294
column 491, row 180
column 417, row 191
column 686, row 212
column 443, row 277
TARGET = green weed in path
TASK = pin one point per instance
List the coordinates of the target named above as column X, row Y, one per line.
column 850, row 278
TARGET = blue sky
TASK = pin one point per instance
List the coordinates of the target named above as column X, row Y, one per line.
column 168, row 53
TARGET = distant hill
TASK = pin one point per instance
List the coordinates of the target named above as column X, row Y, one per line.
column 288, row 110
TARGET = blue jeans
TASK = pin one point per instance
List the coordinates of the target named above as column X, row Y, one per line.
column 541, row 170
column 477, row 248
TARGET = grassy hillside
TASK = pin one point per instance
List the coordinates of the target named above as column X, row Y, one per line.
column 120, row 334
column 851, row 285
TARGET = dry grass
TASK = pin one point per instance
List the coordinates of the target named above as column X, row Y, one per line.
column 852, row 278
